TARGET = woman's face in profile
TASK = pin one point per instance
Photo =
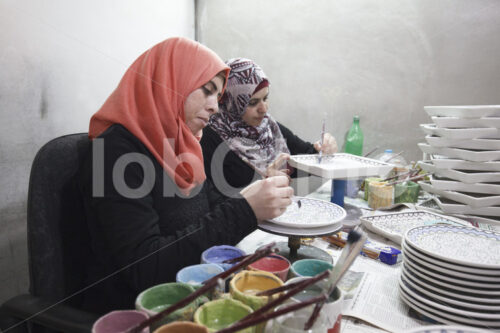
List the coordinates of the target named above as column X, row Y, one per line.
column 201, row 103
column 256, row 109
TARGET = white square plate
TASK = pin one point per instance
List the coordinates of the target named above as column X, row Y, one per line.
column 461, row 133
column 465, row 176
column 464, row 111
column 455, row 122
column 340, row 166
column 474, row 201
column 449, row 163
column 480, row 144
column 465, row 154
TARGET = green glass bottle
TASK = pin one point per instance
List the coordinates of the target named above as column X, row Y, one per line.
column 354, row 139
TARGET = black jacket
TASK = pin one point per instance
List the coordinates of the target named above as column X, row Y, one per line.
column 145, row 241
column 237, row 173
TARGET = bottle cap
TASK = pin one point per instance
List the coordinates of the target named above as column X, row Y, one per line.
column 388, row 151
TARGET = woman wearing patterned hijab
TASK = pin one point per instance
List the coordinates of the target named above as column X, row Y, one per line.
column 246, row 141
column 148, row 208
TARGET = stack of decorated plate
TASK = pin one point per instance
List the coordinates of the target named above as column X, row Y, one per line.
column 452, row 274
column 463, row 145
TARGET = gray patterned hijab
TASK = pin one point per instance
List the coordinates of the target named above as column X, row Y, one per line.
column 256, row 145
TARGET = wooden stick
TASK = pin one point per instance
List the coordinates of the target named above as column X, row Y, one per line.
column 244, row 323
column 407, row 179
column 309, row 281
column 207, row 286
column 298, row 288
column 396, row 155
column 353, row 254
column 371, row 152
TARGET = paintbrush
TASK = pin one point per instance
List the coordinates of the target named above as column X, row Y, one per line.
column 321, row 140
column 207, row 286
column 395, row 155
column 293, row 291
column 244, row 323
column 371, row 152
column 349, row 254
column 407, row 179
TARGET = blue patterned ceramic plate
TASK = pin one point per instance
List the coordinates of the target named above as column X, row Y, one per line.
column 460, row 245
column 310, row 213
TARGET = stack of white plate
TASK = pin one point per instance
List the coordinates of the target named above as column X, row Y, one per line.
column 464, row 148
column 452, row 274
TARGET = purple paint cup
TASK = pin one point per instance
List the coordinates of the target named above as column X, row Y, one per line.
column 217, row 254
column 119, row 321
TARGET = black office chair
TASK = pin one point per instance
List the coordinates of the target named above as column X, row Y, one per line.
column 58, row 244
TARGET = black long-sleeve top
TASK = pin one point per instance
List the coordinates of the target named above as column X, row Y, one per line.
column 146, row 240
column 238, row 173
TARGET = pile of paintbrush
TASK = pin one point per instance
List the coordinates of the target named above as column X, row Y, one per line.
column 355, row 242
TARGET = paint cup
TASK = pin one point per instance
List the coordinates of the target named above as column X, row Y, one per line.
column 160, row 297
column 221, row 313
column 406, row 192
column 195, row 275
column 309, row 267
column 365, row 185
column 380, row 195
column 332, row 308
column 293, row 322
column 218, row 254
column 274, row 263
column 119, row 321
column 182, row 327
column 246, row 284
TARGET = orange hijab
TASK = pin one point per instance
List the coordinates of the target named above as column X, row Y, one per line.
column 149, row 102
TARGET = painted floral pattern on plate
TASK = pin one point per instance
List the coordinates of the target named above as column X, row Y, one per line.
column 311, row 213
column 473, row 246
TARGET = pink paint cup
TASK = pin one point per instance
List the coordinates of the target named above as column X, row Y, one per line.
column 119, row 321
column 274, row 263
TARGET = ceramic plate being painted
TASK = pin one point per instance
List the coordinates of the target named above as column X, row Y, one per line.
column 464, row 111
column 340, row 166
column 461, row 133
column 310, row 213
column 457, row 244
column 394, row 225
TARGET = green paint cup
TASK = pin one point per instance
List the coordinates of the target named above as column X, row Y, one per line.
column 406, row 192
column 160, row 297
column 221, row 313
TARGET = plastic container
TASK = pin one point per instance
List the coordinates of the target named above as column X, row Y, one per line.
column 388, row 156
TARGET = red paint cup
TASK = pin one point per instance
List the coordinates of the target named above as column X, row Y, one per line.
column 274, row 263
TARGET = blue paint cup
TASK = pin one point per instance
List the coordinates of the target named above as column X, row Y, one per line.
column 217, row 254
column 309, row 267
column 195, row 275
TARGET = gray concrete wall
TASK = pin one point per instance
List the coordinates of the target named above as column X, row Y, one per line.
column 383, row 60
column 59, row 60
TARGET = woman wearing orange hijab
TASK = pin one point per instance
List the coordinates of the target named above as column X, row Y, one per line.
column 150, row 211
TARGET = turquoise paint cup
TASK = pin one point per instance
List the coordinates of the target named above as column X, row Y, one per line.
column 309, row 267
column 119, row 321
column 160, row 297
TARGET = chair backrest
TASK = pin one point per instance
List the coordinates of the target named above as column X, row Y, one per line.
column 58, row 240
